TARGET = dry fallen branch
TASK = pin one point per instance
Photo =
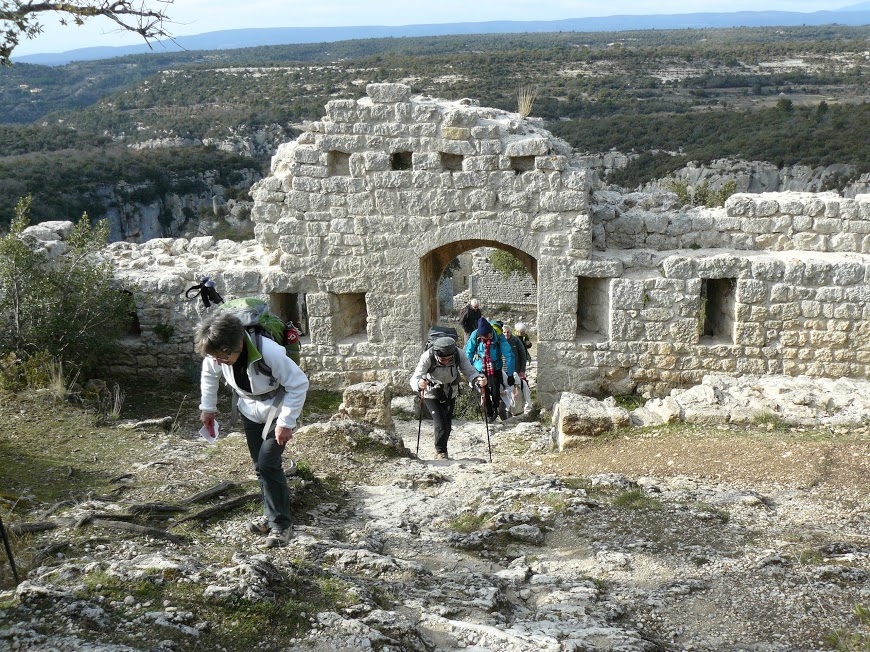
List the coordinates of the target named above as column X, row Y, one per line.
column 149, row 508
column 225, row 506
column 137, row 529
column 49, row 551
column 110, row 516
column 25, row 528
column 221, row 487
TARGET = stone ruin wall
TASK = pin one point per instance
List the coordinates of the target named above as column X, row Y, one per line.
column 362, row 212
column 494, row 289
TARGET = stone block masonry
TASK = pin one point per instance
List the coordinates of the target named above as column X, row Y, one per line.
column 365, row 209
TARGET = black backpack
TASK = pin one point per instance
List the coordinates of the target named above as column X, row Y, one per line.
column 441, row 331
column 437, row 332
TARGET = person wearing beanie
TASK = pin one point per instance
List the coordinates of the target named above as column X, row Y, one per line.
column 489, row 352
column 436, row 379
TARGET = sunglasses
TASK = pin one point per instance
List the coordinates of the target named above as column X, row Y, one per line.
column 225, row 358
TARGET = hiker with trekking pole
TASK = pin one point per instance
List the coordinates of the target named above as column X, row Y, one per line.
column 481, row 406
column 436, row 381
column 490, row 353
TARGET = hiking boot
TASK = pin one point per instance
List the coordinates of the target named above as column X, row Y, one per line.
column 441, row 456
column 490, row 418
column 259, row 526
column 278, row 537
column 290, row 468
column 502, row 412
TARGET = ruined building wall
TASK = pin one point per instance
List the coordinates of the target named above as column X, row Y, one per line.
column 363, row 211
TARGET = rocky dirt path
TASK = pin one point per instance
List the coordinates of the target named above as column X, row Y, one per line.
column 654, row 540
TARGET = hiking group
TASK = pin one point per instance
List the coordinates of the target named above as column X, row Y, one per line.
column 493, row 360
column 257, row 356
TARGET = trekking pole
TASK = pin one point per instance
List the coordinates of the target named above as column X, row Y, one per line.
column 419, row 422
column 485, row 422
column 9, row 553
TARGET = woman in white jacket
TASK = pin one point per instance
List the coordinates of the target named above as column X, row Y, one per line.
column 271, row 391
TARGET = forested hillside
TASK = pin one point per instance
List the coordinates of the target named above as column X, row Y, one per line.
column 786, row 95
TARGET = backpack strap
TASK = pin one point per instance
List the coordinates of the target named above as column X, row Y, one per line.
column 432, row 365
column 262, row 367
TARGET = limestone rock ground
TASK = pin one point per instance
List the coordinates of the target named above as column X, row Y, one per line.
column 633, row 545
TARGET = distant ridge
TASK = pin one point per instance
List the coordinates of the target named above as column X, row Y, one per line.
column 245, row 38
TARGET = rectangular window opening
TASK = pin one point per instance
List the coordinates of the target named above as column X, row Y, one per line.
column 401, row 161
column 291, row 307
column 718, row 313
column 451, row 162
column 134, row 326
column 593, row 309
column 520, row 164
column 338, row 163
column 349, row 316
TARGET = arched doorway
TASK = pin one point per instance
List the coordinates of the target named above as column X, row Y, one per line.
column 433, row 264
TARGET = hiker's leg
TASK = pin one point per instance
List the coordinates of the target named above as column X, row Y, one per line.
column 442, row 423
column 266, row 455
column 493, row 391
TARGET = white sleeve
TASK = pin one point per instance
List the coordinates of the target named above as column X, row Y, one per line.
column 420, row 372
column 209, row 379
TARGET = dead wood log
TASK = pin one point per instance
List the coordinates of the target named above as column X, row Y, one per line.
column 225, row 506
column 137, row 529
column 211, row 492
column 148, row 508
column 25, row 528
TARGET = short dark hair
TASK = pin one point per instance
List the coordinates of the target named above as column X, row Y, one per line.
column 220, row 332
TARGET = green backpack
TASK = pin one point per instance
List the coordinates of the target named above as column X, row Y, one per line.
column 261, row 322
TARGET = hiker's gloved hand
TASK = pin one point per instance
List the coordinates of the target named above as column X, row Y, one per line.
column 510, row 381
column 283, row 434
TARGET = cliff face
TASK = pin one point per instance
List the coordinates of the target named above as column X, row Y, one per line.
column 761, row 176
column 750, row 176
column 214, row 209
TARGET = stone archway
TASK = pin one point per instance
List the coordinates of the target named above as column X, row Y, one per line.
column 433, row 264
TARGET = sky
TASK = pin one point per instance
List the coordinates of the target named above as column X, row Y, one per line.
column 199, row 16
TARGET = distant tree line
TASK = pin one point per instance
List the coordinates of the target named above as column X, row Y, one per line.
column 784, row 135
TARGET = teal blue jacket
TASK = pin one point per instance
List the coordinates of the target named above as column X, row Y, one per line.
column 475, row 349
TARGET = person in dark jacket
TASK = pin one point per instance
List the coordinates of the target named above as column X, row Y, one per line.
column 469, row 316
column 520, row 329
column 486, row 349
column 437, row 377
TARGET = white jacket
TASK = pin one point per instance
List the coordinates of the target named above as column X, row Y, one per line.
column 284, row 371
column 445, row 377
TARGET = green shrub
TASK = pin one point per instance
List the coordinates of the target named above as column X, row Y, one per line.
column 701, row 195
column 164, row 331
column 68, row 309
column 506, row 263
